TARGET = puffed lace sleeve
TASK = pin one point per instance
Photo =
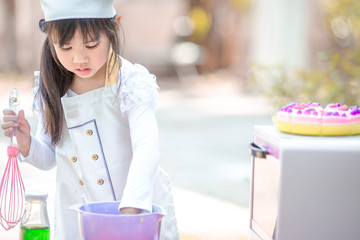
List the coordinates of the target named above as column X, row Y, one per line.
column 138, row 86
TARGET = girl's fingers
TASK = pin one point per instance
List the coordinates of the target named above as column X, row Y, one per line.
column 8, row 132
column 10, row 118
column 7, row 125
column 23, row 123
column 8, row 112
column 11, row 121
column 21, row 117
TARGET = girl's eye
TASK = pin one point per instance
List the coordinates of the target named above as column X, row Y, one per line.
column 92, row 46
column 66, row 48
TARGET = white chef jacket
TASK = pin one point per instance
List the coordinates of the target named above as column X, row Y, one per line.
column 108, row 151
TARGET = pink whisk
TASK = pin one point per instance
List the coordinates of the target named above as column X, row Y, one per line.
column 12, row 190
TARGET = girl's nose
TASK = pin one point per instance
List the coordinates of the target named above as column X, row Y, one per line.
column 80, row 57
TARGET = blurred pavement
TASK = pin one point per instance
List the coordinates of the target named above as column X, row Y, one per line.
column 205, row 126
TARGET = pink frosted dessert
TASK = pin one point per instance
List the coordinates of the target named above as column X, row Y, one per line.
column 334, row 114
column 314, row 113
column 354, row 114
column 310, row 113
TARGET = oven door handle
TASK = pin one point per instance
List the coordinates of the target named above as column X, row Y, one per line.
column 257, row 151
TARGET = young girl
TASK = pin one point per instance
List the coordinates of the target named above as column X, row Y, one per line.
column 97, row 122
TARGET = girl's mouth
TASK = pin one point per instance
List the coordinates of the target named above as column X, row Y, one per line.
column 84, row 71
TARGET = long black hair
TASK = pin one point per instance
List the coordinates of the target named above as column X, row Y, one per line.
column 55, row 80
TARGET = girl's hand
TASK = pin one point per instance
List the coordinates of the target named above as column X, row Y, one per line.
column 21, row 128
column 130, row 211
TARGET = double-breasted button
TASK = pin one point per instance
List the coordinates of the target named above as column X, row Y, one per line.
column 81, row 182
column 89, row 132
column 100, row 181
column 95, row 157
column 74, row 159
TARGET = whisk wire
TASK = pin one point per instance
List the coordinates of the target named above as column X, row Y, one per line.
column 12, row 197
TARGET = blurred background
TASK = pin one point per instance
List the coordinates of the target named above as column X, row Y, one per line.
column 222, row 66
column 270, row 47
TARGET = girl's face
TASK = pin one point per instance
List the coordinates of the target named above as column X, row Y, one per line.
column 82, row 58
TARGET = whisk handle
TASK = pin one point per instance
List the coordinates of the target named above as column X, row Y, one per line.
column 14, row 105
column 12, row 151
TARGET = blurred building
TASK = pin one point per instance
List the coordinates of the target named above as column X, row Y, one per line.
column 20, row 37
column 147, row 28
column 149, row 33
column 217, row 34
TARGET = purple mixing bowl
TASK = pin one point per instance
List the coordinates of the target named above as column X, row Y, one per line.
column 103, row 221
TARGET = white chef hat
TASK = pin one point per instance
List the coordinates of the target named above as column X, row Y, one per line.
column 71, row 9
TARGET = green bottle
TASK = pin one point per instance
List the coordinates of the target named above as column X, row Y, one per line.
column 35, row 222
